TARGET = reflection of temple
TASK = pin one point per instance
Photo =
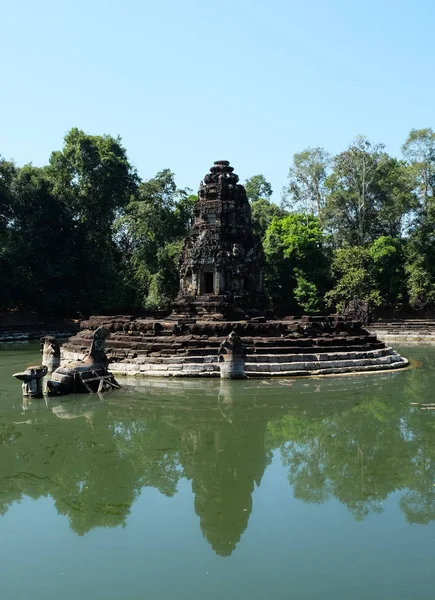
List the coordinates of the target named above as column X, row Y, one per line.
column 222, row 451
column 224, row 458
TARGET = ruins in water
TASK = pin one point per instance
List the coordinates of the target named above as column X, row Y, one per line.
column 219, row 325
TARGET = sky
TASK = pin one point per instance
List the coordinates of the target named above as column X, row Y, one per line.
column 188, row 82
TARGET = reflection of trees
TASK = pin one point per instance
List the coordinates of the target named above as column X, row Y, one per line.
column 93, row 467
column 418, row 503
column 93, row 458
column 359, row 452
column 355, row 439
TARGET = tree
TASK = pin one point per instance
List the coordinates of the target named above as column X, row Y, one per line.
column 295, row 256
column 420, row 284
column 37, row 245
column 352, row 270
column 306, row 190
column 420, row 265
column 306, row 294
column 369, row 194
column 258, row 187
column 7, row 174
column 419, row 151
column 263, row 212
column 153, row 222
column 387, row 256
column 93, row 176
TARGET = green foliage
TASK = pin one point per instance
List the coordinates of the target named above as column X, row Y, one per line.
column 92, row 175
column 352, row 270
column 420, row 265
column 163, row 284
column 419, row 151
column 387, row 256
column 263, row 212
column 294, row 246
column 38, row 246
column 306, row 294
column 258, row 187
column 306, row 191
column 7, row 174
column 149, row 233
column 85, row 234
column 370, row 194
column 420, row 283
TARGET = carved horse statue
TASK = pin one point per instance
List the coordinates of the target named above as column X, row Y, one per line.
column 88, row 375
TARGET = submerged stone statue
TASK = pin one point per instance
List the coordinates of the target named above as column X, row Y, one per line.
column 32, row 379
column 232, row 357
column 222, row 259
column 88, row 375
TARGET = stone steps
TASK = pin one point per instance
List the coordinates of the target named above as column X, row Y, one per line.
column 289, row 350
column 308, row 346
column 145, row 341
column 267, row 358
column 296, row 365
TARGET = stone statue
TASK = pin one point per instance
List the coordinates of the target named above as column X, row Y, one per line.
column 88, row 375
column 97, row 352
column 50, row 352
column 32, row 379
column 232, row 357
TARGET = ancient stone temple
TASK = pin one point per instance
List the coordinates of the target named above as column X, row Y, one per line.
column 218, row 326
column 222, row 260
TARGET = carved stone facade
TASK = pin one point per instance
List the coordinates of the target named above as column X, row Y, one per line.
column 222, row 260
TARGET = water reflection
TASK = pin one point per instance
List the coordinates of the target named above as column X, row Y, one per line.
column 354, row 439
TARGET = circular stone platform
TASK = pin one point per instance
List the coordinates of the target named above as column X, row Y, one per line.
column 189, row 348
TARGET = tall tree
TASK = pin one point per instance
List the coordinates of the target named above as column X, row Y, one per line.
column 369, row 194
column 259, row 192
column 296, row 263
column 92, row 174
column 352, row 271
column 7, row 174
column 149, row 233
column 388, row 260
column 43, row 243
column 306, row 190
column 263, row 213
column 258, row 187
column 419, row 151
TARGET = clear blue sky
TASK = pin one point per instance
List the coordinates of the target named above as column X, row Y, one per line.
column 186, row 82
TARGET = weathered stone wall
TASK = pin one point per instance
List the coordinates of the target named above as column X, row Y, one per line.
column 307, row 346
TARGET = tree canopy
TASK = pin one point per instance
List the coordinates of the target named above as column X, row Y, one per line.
column 86, row 233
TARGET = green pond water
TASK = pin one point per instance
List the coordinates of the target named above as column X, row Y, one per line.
column 210, row 489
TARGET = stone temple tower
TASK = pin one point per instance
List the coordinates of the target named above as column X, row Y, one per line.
column 222, row 260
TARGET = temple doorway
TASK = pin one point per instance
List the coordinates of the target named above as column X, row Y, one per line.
column 208, row 282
